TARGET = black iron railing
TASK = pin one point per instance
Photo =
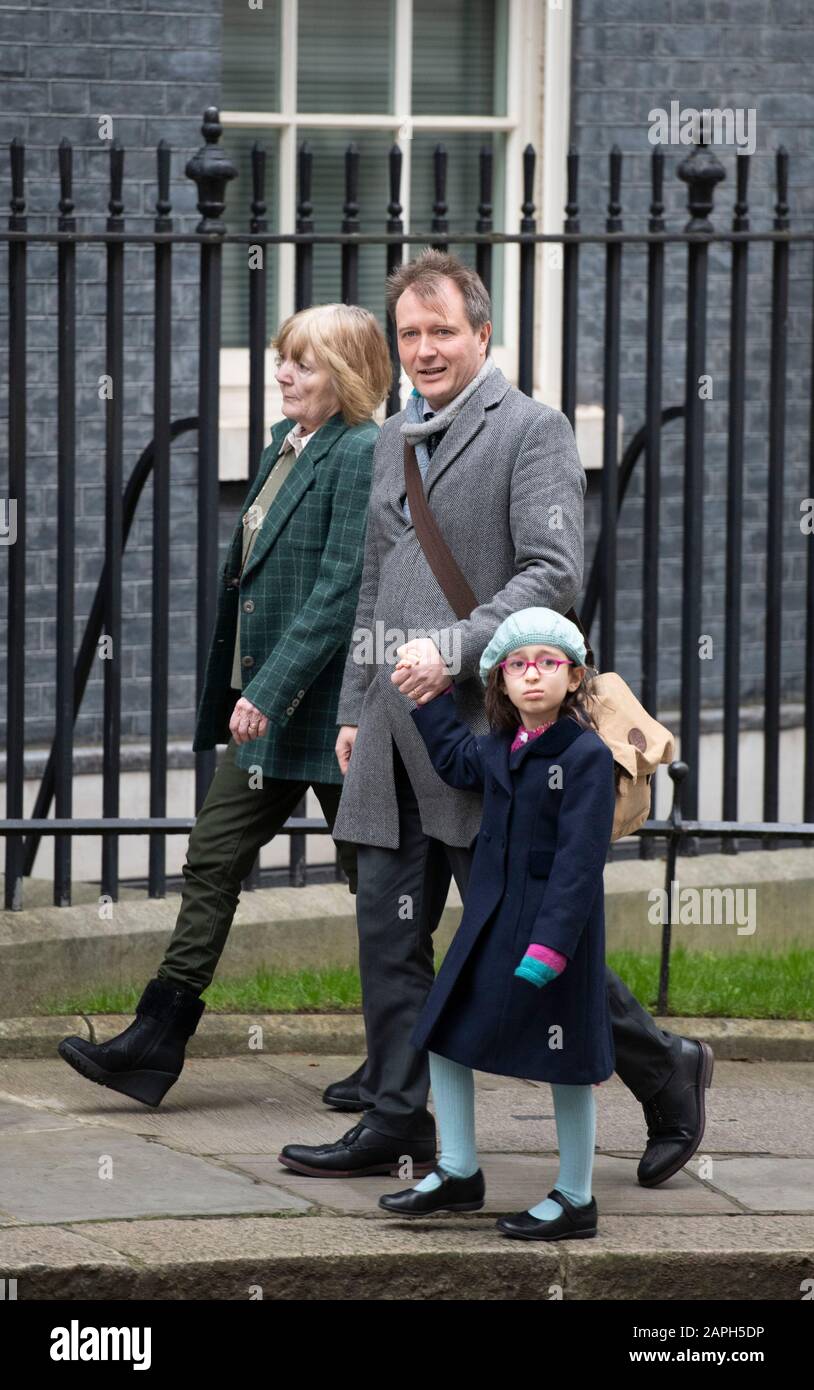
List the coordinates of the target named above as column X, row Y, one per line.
column 211, row 169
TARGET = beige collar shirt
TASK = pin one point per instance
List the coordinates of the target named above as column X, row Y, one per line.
column 293, row 445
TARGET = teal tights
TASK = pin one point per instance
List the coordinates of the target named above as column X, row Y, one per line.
column 453, row 1089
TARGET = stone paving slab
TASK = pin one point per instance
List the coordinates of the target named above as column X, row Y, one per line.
column 513, row 1182
column 256, row 1104
column 766, row 1184
column 200, row 1208
column 24, row 1118
column 92, row 1172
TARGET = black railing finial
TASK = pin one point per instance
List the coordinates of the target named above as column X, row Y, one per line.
column 440, row 222
column 350, row 226
column 115, row 206
column 350, row 207
column 740, row 218
column 304, row 225
column 656, row 223
column 701, row 170
column 486, row 163
column 163, row 206
column 305, row 208
column 572, row 194
column 211, row 168
column 67, row 222
column 484, row 224
column 258, row 217
column 781, row 207
column 613, row 222
column 17, row 219
column 395, row 160
column 528, row 208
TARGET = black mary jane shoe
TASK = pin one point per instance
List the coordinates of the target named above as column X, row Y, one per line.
column 576, row 1223
column 454, row 1194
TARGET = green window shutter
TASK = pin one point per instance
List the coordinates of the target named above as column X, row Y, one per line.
column 459, row 57
column 345, row 65
column 344, row 56
column 251, row 56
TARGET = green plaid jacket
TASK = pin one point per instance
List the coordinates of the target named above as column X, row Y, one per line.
column 296, row 605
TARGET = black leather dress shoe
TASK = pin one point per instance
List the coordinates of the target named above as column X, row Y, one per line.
column 454, row 1194
column 675, row 1115
column 360, row 1153
column 344, row 1095
column 576, row 1223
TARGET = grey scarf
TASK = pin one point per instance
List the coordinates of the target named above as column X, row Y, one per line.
column 415, row 428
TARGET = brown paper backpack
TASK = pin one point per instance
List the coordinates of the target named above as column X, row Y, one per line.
column 638, row 744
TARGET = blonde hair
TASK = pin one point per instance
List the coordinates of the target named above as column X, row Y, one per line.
column 348, row 342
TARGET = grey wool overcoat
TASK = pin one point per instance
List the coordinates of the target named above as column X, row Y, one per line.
column 295, row 605
column 536, row 877
column 506, row 486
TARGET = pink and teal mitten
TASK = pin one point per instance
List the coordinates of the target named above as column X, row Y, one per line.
column 541, row 964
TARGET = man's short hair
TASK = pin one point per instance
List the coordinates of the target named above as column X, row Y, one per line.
column 423, row 277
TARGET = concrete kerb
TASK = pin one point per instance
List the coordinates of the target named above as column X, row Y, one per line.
column 235, row 1035
column 337, row 1258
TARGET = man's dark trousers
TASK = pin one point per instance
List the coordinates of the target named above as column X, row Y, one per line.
column 400, row 897
column 233, row 824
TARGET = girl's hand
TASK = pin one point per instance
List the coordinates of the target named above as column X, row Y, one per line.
column 540, row 965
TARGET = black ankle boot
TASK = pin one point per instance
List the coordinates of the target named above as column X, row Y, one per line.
column 147, row 1058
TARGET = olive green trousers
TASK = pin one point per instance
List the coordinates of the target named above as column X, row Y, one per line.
column 233, row 824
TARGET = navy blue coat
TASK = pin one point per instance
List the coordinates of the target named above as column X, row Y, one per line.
column 536, row 876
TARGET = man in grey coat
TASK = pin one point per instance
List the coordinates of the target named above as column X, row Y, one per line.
column 505, row 483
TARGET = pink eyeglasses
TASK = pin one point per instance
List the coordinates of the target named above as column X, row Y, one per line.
column 518, row 666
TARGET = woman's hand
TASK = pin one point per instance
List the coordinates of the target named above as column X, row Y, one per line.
column 247, row 722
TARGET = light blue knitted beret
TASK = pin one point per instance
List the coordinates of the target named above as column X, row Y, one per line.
column 533, row 627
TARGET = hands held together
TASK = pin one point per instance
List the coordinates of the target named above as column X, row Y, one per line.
column 421, row 672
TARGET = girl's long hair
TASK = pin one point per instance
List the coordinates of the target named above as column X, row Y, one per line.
column 503, row 715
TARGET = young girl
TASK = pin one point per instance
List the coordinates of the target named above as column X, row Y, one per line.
column 521, row 991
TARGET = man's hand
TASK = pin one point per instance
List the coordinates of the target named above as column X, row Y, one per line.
column 421, row 671
column 247, row 722
column 344, row 745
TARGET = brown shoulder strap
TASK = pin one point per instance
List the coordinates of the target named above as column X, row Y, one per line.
column 439, row 556
column 440, row 559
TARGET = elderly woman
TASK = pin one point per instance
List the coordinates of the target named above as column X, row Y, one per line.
column 286, row 607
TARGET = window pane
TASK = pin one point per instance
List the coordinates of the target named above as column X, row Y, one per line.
column 459, row 57
column 328, row 192
column 463, row 191
column 235, row 299
column 344, row 56
column 251, row 56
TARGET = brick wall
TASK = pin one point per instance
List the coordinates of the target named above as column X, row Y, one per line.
column 630, row 56
column 152, row 67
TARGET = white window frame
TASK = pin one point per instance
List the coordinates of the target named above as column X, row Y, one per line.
column 537, row 56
